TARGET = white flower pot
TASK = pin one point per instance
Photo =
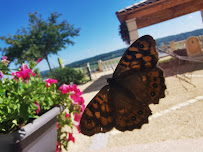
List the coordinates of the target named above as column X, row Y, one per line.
column 38, row 136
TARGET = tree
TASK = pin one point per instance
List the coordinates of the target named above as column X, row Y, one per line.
column 40, row 39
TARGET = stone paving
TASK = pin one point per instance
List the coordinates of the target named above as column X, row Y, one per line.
column 176, row 123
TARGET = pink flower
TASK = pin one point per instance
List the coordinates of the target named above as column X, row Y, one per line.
column 39, row 60
column 77, row 117
column 1, row 74
column 50, row 82
column 82, row 108
column 38, row 107
column 71, row 138
column 65, row 88
column 67, row 115
column 4, row 58
column 24, row 67
column 77, row 99
column 57, row 147
column 57, row 125
column 75, row 90
column 25, row 74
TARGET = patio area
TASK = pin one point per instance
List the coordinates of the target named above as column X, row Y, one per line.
column 175, row 125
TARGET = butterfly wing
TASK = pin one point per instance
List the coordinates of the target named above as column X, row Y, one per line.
column 98, row 116
column 141, row 55
column 147, row 86
column 124, row 103
column 137, row 82
column 129, row 113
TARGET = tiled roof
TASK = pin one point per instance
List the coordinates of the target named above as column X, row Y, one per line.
column 137, row 5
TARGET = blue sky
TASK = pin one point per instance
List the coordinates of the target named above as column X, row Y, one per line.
column 97, row 22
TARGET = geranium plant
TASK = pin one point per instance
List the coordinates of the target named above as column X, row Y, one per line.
column 26, row 96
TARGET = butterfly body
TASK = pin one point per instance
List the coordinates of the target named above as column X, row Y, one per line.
column 124, row 102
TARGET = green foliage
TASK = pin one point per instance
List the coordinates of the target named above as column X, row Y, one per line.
column 18, row 102
column 40, row 39
column 68, row 75
column 27, row 96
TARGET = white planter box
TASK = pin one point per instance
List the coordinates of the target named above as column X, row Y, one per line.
column 38, row 136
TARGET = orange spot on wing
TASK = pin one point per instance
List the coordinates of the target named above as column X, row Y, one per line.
column 147, row 58
column 134, row 62
column 144, row 78
column 126, row 63
column 138, row 55
column 129, row 57
column 103, row 108
column 136, row 66
column 133, row 49
column 110, row 119
column 122, row 111
column 99, row 100
column 104, row 121
column 89, row 113
column 148, row 65
column 95, row 105
column 97, row 114
column 127, row 68
column 108, row 109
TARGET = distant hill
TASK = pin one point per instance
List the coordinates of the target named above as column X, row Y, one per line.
column 93, row 60
column 178, row 37
column 117, row 53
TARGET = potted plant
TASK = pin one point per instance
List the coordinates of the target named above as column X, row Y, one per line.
column 33, row 112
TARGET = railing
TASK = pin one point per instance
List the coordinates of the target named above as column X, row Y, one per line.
column 108, row 64
column 180, row 44
column 112, row 63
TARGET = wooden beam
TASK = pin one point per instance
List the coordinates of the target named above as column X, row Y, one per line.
column 160, row 11
column 169, row 13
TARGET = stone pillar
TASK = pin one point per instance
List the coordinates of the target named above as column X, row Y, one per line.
column 132, row 29
column 193, row 46
column 100, row 65
column 172, row 45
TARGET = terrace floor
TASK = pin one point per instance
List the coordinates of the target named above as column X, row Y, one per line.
column 176, row 123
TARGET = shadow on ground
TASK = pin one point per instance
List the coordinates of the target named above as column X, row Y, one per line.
column 177, row 66
column 98, row 84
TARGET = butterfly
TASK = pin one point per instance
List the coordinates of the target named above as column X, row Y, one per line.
column 124, row 102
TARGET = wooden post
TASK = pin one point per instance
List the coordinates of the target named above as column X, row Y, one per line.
column 100, row 66
column 89, row 71
column 132, row 29
column 61, row 63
